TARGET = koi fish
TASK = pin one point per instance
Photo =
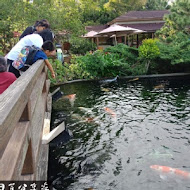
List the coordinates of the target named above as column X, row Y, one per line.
column 133, row 79
column 166, row 169
column 76, row 116
column 161, row 86
column 89, row 119
column 109, row 80
column 83, row 109
column 71, row 98
column 110, row 111
column 105, row 89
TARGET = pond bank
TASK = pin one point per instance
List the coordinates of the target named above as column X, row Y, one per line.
column 128, row 77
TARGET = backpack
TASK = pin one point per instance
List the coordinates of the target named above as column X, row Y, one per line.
column 25, row 58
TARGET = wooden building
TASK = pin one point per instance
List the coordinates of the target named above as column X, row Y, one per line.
column 147, row 21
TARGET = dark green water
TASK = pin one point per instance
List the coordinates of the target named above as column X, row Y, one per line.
column 151, row 127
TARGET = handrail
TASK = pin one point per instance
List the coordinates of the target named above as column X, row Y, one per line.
column 23, row 107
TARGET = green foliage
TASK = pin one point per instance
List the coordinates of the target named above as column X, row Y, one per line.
column 180, row 13
column 178, row 19
column 60, row 71
column 149, row 49
column 176, row 50
column 117, row 60
column 121, row 6
column 129, row 54
column 156, row 4
column 81, row 45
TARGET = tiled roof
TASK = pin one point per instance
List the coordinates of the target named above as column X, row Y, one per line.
column 141, row 15
column 149, row 27
column 97, row 28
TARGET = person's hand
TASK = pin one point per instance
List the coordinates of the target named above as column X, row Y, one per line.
column 53, row 75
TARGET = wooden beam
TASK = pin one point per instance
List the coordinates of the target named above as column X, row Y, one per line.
column 54, row 133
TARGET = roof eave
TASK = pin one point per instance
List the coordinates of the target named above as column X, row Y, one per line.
column 131, row 20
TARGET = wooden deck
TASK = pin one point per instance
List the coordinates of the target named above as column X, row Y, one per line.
column 23, row 108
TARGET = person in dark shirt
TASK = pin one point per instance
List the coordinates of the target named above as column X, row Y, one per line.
column 6, row 78
column 38, row 26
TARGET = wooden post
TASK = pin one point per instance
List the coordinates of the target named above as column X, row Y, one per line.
column 115, row 40
column 97, row 39
column 125, row 39
column 128, row 40
column 137, row 40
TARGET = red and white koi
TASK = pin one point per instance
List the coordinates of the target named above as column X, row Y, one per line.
column 166, row 169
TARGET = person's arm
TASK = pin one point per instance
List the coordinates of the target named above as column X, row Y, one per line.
column 48, row 64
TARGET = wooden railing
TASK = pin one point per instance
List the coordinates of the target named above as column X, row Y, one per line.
column 23, row 108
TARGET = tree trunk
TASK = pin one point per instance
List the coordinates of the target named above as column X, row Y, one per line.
column 147, row 66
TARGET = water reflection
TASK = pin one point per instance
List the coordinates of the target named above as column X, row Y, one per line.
column 152, row 127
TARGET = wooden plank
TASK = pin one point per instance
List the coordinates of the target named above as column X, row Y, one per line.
column 37, row 124
column 54, row 133
column 37, row 90
column 46, row 127
column 42, row 167
column 14, row 154
column 49, row 103
column 14, row 100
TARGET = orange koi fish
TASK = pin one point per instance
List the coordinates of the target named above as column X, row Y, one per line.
column 71, row 98
column 167, row 169
column 161, row 86
column 133, row 79
column 89, row 119
column 110, row 111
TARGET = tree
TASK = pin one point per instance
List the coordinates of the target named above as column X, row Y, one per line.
column 178, row 19
column 180, row 14
column 156, row 4
column 148, row 51
column 121, row 6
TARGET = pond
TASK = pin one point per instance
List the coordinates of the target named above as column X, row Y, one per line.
column 117, row 132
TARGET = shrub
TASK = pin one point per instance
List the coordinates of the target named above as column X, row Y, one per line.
column 149, row 51
column 130, row 54
column 62, row 72
column 81, row 46
column 117, row 60
column 176, row 49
